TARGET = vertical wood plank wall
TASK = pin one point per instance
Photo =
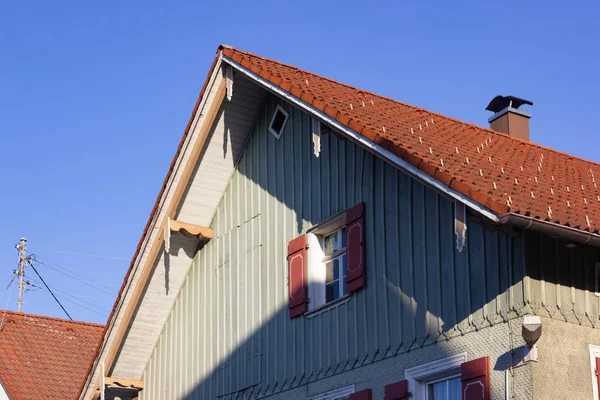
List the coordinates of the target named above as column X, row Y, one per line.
column 229, row 330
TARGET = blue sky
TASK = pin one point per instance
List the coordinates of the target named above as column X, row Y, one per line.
column 95, row 97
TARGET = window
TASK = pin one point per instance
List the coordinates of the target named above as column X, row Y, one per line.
column 278, row 122
column 595, row 366
column 328, row 263
column 337, row 394
column 334, row 247
column 438, row 379
column 445, row 389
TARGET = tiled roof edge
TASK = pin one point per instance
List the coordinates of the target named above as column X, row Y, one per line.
column 434, row 113
column 45, row 317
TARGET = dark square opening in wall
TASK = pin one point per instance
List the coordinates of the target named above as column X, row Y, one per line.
column 278, row 122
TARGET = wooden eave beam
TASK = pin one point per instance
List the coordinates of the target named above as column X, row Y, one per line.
column 202, row 232
column 124, row 383
column 146, row 268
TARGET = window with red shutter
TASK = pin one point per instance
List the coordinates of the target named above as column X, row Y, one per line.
column 362, row 395
column 397, row 391
column 355, row 242
column 598, row 374
column 475, row 377
column 297, row 280
column 327, row 263
column 333, row 268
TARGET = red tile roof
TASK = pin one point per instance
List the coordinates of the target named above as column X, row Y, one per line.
column 43, row 357
column 500, row 172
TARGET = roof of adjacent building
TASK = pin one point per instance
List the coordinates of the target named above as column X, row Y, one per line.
column 44, row 357
column 502, row 173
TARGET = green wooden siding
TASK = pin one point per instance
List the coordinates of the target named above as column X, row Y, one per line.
column 229, row 330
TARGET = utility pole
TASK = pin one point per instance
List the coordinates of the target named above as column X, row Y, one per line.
column 22, row 247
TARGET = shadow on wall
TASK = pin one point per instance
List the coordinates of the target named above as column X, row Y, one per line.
column 420, row 290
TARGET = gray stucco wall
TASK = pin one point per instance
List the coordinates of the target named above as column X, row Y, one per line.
column 494, row 342
column 563, row 370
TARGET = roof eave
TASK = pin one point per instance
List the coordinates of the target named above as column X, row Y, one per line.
column 551, row 229
column 148, row 229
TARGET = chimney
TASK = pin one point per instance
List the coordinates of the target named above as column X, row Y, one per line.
column 509, row 116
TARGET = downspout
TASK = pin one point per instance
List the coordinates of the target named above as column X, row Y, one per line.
column 551, row 229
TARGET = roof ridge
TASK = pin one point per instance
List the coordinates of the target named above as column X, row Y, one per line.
column 45, row 317
column 468, row 124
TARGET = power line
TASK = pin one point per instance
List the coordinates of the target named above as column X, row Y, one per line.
column 74, row 295
column 44, row 282
column 65, row 296
column 87, row 282
column 89, row 255
column 6, row 306
column 102, row 313
column 83, row 280
column 75, row 271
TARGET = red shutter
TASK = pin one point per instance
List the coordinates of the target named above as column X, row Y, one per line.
column 475, row 376
column 598, row 374
column 362, row 395
column 355, row 247
column 298, row 289
column 397, row 391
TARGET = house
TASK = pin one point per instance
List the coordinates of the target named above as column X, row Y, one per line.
column 44, row 357
column 317, row 241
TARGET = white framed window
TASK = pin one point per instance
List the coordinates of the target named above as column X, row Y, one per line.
column 327, row 263
column 278, row 121
column 597, row 279
column 336, row 394
column 438, row 379
column 594, row 354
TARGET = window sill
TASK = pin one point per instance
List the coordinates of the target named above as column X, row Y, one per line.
column 328, row 306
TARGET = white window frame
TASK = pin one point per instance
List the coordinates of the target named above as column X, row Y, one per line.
column 594, row 353
column 420, row 376
column 3, row 393
column 273, row 132
column 597, row 279
column 334, row 394
column 316, row 266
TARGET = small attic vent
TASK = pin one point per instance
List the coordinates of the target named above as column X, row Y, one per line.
column 278, row 122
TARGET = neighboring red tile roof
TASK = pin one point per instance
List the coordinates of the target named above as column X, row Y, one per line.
column 43, row 357
column 500, row 172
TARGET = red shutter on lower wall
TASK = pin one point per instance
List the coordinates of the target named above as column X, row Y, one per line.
column 362, row 395
column 355, row 247
column 598, row 374
column 297, row 282
column 397, row 391
column 475, row 376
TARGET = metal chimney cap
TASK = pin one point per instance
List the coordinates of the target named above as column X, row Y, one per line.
column 499, row 103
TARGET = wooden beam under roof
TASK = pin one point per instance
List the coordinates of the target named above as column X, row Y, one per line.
column 194, row 230
column 119, row 383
